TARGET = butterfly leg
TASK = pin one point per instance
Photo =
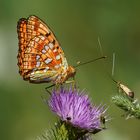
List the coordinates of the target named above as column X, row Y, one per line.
column 48, row 88
column 73, row 82
column 70, row 81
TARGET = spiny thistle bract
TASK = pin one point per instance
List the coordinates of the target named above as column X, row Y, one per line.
column 130, row 106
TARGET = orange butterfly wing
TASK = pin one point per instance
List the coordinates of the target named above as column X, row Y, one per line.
column 22, row 36
column 40, row 57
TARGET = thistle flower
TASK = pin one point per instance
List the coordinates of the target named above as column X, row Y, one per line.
column 75, row 108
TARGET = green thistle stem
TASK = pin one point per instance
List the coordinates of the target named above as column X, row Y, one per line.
column 63, row 131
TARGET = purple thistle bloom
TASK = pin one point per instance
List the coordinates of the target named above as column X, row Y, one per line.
column 74, row 107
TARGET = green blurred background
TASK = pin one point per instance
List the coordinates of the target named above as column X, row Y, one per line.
column 77, row 25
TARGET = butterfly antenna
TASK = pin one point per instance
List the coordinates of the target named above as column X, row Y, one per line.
column 90, row 61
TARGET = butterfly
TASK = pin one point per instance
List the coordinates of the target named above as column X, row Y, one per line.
column 40, row 57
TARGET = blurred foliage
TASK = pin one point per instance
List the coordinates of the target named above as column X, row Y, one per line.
column 77, row 25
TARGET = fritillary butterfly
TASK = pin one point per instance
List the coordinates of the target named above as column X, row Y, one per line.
column 40, row 57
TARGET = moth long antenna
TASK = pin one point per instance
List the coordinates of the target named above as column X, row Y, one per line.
column 113, row 67
column 90, row 61
column 93, row 60
column 113, row 64
column 101, row 50
column 100, row 46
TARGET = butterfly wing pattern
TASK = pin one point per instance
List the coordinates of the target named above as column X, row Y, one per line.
column 40, row 57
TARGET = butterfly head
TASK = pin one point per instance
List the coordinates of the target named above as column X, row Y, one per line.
column 71, row 71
